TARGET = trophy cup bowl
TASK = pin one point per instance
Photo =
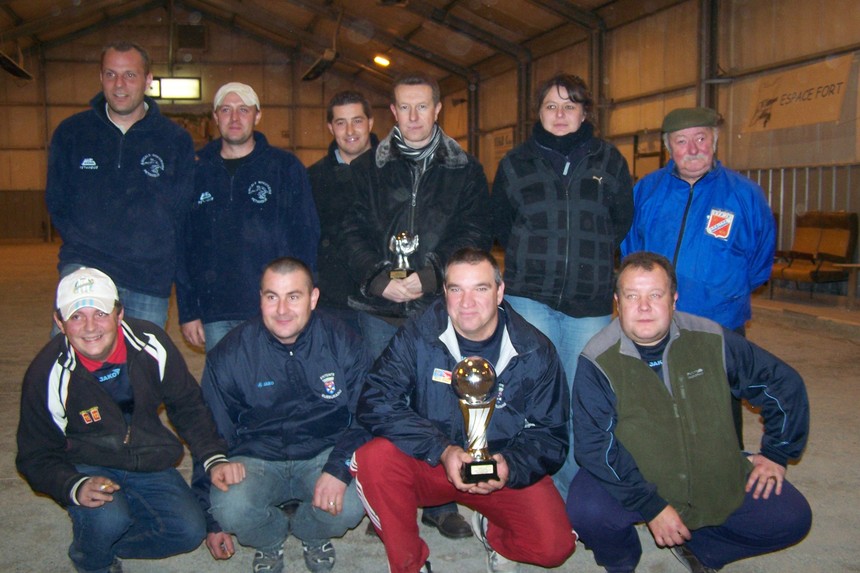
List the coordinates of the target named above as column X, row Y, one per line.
column 474, row 383
column 402, row 245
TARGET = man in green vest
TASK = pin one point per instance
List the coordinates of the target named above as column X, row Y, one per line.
column 654, row 437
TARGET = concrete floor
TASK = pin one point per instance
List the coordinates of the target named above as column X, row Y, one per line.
column 818, row 338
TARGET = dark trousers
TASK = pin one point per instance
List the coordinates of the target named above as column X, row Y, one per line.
column 756, row 527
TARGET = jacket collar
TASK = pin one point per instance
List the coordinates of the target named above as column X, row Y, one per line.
column 449, row 153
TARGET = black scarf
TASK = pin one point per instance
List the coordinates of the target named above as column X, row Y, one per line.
column 563, row 144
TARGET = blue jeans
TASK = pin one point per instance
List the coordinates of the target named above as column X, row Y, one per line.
column 755, row 528
column 153, row 515
column 135, row 304
column 215, row 331
column 569, row 335
column 376, row 333
column 250, row 509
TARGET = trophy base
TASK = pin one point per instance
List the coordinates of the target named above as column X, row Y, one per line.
column 475, row 472
column 400, row 273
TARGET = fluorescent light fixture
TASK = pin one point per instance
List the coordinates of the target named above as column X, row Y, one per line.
column 381, row 61
column 175, row 88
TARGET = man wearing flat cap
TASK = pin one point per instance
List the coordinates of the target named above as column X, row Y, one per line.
column 252, row 204
column 713, row 224
column 90, row 435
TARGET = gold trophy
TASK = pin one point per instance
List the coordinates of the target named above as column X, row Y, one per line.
column 402, row 245
column 473, row 381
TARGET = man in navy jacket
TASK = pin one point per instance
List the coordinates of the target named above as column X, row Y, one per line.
column 415, row 460
column 120, row 179
column 253, row 203
column 282, row 388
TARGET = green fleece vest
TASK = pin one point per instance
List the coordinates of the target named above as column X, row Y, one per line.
column 685, row 442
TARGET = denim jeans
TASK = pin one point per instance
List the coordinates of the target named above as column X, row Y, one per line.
column 376, row 333
column 152, row 516
column 135, row 304
column 250, row 509
column 215, row 331
column 569, row 335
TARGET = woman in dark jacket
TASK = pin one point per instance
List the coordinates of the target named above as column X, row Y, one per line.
column 562, row 204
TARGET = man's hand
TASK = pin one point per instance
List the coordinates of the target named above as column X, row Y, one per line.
column 668, row 528
column 220, row 545
column 403, row 290
column 328, row 493
column 225, row 475
column 766, row 477
column 485, row 487
column 96, row 491
column 193, row 332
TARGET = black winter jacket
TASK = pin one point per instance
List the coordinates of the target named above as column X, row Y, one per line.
column 447, row 207
column 67, row 418
column 559, row 241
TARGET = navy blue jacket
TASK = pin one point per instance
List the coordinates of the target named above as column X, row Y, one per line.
column 406, row 399
column 287, row 402
column 237, row 225
column 118, row 199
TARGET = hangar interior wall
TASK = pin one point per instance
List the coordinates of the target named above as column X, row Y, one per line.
column 649, row 67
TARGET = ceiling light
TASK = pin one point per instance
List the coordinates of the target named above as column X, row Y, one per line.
column 175, row 88
column 381, row 61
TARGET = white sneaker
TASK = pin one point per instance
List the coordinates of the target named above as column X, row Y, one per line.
column 496, row 563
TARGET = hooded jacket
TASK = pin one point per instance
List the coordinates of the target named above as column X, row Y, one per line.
column 447, row 207
column 237, row 225
column 407, row 400
column 118, row 200
column 67, row 418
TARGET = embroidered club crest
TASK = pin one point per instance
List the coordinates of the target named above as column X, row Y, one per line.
column 259, row 192
column 719, row 224
column 152, row 164
column 331, row 389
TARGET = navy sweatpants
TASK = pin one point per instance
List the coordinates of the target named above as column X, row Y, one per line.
column 758, row 526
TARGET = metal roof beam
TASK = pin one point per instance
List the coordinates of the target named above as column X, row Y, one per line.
column 580, row 17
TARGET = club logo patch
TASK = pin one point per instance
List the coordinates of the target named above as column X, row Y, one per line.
column 720, row 224
column 91, row 415
column 259, row 192
column 205, row 197
column 89, row 163
column 331, row 390
column 152, row 165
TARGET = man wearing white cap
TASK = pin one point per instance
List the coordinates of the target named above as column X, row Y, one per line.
column 253, row 203
column 90, row 436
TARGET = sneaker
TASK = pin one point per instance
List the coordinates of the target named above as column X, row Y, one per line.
column 496, row 563
column 266, row 562
column 319, row 557
column 689, row 560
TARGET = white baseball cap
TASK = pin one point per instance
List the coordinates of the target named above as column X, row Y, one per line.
column 245, row 92
column 85, row 288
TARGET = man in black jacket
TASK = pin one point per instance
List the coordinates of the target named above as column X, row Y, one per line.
column 350, row 120
column 419, row 184
column 90, row 435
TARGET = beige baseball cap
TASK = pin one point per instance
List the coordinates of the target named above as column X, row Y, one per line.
column 85, row 288
column 245, row 92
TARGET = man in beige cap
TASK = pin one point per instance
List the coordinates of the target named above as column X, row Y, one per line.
column 90, row 436
column 253, row 204
column 713, row 224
